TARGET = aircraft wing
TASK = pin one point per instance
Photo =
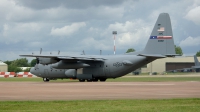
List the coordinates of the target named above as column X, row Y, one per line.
column 70, row 58
column 195, row 66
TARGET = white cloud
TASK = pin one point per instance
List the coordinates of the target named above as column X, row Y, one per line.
column 130, row 33
column 5, row 29
column 19, row 31
column 27, row 26
column 194, row 15
column 67, row 30
column 13, row 10
column 107, row 12
column 96, row 44
column 10, row 12
column 190, row 41
column 37, row 44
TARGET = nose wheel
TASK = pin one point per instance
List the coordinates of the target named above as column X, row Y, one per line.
column 46, row 79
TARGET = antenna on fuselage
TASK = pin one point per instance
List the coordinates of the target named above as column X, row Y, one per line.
column 114, row 33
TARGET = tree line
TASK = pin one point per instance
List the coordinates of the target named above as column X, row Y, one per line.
column 14, row 66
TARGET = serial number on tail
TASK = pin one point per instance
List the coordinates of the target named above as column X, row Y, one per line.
column 160, row 40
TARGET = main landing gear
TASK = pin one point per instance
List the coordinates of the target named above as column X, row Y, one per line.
column 93, row 80
column 82, row 80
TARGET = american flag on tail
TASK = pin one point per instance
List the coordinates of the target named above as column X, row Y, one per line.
column 160, row 37
column 161, row 29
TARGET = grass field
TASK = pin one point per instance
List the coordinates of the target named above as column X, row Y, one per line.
column 121, row 79
column 171, row 105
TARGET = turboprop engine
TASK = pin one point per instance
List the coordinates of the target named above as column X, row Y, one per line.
column 46, row 61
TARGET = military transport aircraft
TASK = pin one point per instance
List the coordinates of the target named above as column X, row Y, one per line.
column 101, row 67
column 196, row 67
column 197, row 64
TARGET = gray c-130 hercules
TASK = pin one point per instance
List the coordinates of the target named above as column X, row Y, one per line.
column 101, row 67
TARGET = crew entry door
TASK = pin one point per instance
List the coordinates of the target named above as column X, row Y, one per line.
column 106, row 70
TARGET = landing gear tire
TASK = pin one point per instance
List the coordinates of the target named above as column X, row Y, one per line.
column 103, row 79
column 89, row 80
column 81, row 80
column 45, row 79
column 95, row 80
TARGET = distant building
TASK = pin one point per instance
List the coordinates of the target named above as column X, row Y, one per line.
column 167, row 64
column 3, row 67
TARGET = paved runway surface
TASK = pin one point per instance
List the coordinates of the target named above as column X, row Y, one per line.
column 97, row 90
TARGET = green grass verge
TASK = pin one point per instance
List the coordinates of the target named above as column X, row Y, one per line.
column 169, row 73
column 168, row 105
column 121, row 79
column 153, row 79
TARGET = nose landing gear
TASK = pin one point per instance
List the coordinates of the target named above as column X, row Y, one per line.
column 46, row 79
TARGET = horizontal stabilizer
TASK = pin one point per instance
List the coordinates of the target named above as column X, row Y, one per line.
column 152, row 55
column 172, row 55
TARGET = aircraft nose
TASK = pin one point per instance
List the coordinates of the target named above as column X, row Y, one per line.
column 32, row 70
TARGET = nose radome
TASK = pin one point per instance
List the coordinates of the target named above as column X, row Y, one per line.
column 32, row 70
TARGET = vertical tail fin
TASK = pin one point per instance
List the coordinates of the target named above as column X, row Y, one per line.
column 161, row 39
column 196, row 62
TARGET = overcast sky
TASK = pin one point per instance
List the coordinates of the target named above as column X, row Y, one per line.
column 75, row 25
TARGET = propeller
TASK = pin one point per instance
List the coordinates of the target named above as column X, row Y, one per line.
column 58, row 52
column 40, row 50
column 83, row 52
column 37, row 60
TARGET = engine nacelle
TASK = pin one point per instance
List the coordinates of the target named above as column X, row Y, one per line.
column 46, row 61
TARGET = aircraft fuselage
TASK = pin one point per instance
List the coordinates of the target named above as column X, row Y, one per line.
column 112, row 67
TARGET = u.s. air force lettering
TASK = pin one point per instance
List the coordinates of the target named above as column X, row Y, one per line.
column 117, row 64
